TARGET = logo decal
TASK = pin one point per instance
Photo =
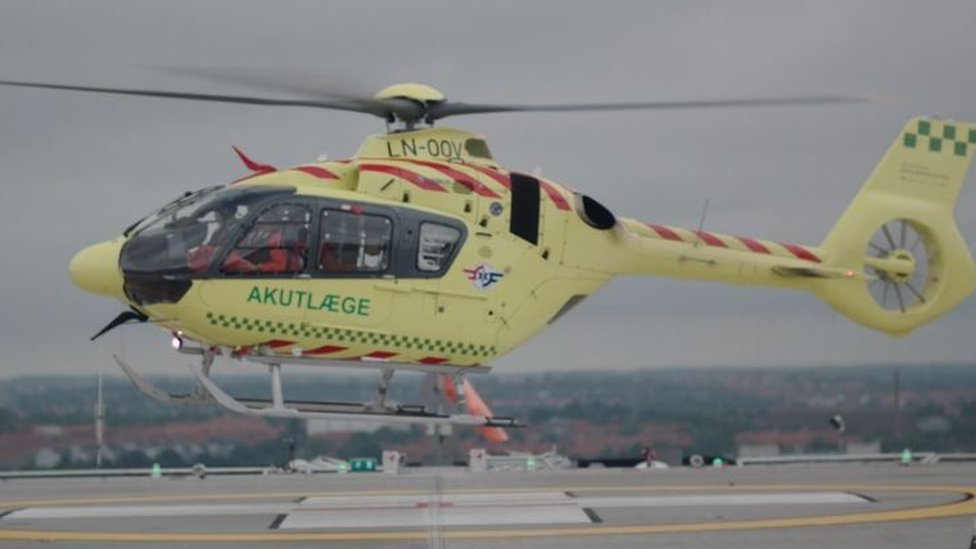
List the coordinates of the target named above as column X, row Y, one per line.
column 483, row 276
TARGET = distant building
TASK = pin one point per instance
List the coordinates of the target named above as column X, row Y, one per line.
column 50, row 431
column 871, row 447
column 46, row 458
column 934, row 425
column 758, row 450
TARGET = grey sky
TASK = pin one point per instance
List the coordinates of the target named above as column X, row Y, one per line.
column 77, row 169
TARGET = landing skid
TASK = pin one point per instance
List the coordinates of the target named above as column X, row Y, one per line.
column 150, row 389
column 377, row 410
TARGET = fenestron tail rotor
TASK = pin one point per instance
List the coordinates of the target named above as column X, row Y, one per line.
column 898, row 256
column 899, row 241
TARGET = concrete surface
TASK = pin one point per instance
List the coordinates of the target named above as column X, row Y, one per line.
column 794, row 506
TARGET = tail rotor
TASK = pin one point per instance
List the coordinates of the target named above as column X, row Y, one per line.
column 898, row 257
column 900, row 233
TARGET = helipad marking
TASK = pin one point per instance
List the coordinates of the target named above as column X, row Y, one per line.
column 704, row 500
column 964, row 507
column 451, row 510
column 570, row 489
column 494, row 509
column 133, row 511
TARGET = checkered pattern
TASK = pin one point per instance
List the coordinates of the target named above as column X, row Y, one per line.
column 941, row 137
column 349, row 337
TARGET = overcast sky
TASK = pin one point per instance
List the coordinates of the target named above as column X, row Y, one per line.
column 77, row 168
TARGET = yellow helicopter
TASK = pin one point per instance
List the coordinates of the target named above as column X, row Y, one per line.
column 422, row 253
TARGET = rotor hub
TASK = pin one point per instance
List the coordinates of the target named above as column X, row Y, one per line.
column 408, row 104
column 421, row 93
column 900, row 257
column 897, row 266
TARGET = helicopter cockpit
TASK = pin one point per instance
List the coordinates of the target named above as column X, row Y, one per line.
column 271, row 232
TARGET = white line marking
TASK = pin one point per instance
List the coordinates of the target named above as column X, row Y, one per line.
column 484, row 509
column 131, row 511
column 682, row 500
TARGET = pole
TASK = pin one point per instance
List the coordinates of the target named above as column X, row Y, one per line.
column 898, row 422
column 99, row 420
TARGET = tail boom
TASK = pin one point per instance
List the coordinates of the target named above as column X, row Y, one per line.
column 894, row 261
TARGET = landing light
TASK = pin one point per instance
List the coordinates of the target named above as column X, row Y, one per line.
column 176, row 342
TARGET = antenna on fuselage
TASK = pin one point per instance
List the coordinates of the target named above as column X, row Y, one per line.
column 701, row 224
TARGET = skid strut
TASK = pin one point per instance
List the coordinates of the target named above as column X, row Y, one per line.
column 379, row 403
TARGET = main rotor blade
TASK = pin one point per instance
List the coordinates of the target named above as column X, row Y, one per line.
column 442, row 110
column 305, row 83
column 383, row 109
column 410, row 110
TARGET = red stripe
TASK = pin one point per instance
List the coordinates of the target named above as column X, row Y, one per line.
column 498, row 176
column 380, row 355
column 710, row 239
column 753, row 245
column 432, row 360
column 800, row 252
column 664, row 232
column 316, row 171
column 461, row 177
column 554, row 195
column 252, row 165
column 325, row 350
column 277, row 343
column 415, row 178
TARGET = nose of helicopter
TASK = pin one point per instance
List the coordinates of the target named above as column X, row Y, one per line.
column 95, row 269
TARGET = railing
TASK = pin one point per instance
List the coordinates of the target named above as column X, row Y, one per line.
column 924, row 458
column 141, row 472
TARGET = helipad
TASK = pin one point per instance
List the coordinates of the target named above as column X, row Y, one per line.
column 789, row 506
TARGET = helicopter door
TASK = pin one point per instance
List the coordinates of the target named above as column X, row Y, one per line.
column 259, row 285
column 465, row 308
column 354, row 252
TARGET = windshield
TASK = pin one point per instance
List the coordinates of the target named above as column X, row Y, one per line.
column 185, row 236
column 185, row 200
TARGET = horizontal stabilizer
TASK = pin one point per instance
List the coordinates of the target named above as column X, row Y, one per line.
column 818, row 272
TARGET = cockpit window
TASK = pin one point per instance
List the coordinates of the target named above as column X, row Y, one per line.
column 437, row 243
column 354, row 242
column 185, row 236
column 275, row 244
column 172, row 211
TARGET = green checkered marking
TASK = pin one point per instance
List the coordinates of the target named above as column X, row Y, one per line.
column 950, row 140
column 298, row 330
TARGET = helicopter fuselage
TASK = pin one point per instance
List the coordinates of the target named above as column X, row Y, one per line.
column 419, row 249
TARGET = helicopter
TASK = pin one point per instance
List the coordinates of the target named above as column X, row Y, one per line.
column 422, row 253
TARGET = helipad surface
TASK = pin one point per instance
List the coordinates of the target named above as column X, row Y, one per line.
column 786, row 506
